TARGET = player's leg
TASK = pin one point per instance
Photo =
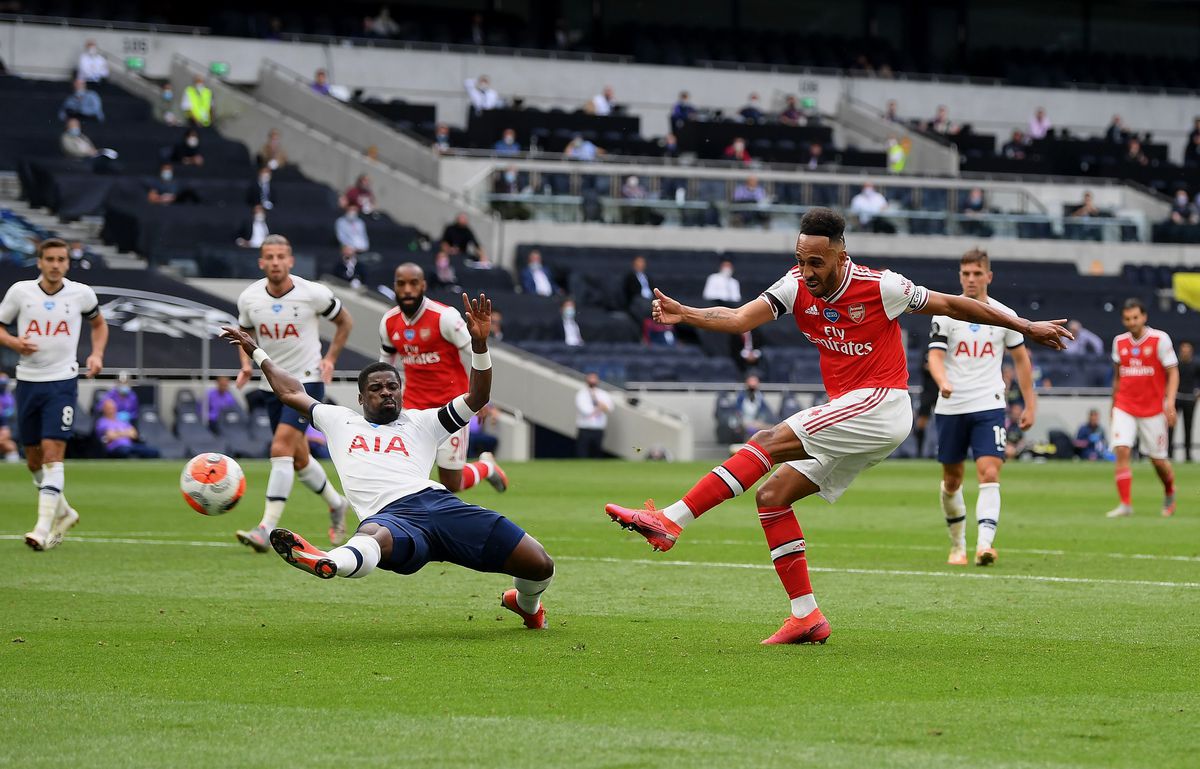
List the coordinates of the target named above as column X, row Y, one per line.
column 457, row 474
column 1154, row 436
column 788, row 554
column 726, row 481
column 310, row 472
column 370, row 545
column 953, row 442
column 532, row 570
column 49, row 421
column 284, row 447
column 987, row 508
column 1124, row 431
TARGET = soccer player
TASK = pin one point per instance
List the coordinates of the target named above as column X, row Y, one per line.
column 964, row 361
column 430, row 340
column 850, row 313
column 384, row 456
column 1145, row 381
column 281, row 310
column 49, row 313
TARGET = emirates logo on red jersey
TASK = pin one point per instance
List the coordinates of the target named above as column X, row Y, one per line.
column 857, row 312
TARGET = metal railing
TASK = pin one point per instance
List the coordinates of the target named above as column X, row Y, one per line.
column 116, row 26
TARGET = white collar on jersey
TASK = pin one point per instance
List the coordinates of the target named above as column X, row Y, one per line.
column 836, row 295
column 420, row 312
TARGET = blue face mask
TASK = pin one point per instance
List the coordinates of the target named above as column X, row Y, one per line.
column 168, row 96
column 123, row 389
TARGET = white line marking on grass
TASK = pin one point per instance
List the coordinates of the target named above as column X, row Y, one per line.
column 127, row 541
column 890, row 572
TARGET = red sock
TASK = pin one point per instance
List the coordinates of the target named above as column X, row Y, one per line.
column 787, row 549
column 473, row 473
column 731, row 478
column 1124, row 485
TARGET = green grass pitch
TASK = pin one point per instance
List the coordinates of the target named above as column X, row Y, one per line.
column 151, row 639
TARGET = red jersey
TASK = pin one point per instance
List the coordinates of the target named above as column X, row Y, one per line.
column 1142, row 367
column 427, row 347
column 855, row 327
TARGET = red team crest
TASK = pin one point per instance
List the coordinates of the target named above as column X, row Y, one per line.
column 857, row 312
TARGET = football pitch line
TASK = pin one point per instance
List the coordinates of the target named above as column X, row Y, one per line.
column 711, row 565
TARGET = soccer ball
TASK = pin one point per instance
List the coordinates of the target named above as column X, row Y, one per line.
column 212, row 483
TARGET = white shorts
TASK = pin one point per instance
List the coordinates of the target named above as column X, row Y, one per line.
column 850, row 434
column 1152, row 432
column 452, row 454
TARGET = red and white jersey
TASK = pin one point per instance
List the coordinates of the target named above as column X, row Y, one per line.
column 1142, row 366
column 379, row 464
column 855, row 327
column 428, row 347
column 52, row 322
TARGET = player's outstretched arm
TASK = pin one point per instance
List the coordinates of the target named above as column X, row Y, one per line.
column 286, row 386
column 1046, row 332
column 730, row 320
column 478, row 313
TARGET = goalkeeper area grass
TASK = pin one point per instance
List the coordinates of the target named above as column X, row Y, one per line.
column 150, row 638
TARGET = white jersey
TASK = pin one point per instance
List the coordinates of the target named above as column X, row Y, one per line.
column 52, row 322
column 287, row 327
column 379, row 464
column 974, row 356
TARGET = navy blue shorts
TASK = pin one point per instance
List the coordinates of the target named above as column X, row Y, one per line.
column 46, row 410
column 435, row 525
column 281, row 414
column 982, row 432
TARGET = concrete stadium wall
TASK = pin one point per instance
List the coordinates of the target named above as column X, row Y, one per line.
column 647, row 90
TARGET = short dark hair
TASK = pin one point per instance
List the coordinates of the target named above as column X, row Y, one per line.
column 1133, row 303
column 823, row 222
column 977, row 256
column 370, row 369
column 51, row 243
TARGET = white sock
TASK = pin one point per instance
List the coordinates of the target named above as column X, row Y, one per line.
column 955, row 510
column 313, row 476
column 804, row 605
column 12, row 456
column 279, row 486
column 529, row 592
column 680, row 514
column 49, row 496
column 38, row 475
column 987, row 514
column 357, row 558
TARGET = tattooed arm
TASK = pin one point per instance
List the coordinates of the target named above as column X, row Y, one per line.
column 730, row 320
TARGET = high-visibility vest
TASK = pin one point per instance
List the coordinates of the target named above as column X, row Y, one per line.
column 200, row 101
column 897, row 158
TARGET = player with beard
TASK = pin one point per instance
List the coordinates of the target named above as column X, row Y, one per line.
column 851, row 313
column 430, row 339
column 384, row 456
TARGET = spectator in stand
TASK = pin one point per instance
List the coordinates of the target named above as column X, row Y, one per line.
column 1087, row 207
column 746, row 350
column 737, row 152
column 320, row 83
column 1134, row 154
column 479, row 436
column 580, row 148
column 197, row 103
column 670, row 146
column 497, row 330
column 752, row 407
column 752, row 113
column 362, row 196
column 750, row 192
column 1185, row 397
column 507, row 145
column 816, row 156
column 483, row 97
column 603, row 103
column 682, row 112
column 218, row 400
column 1183, row 211
column 164, row 105
column 254, row 231
column 1039, row 124
column 1089, row 439
column 259, row 192
column 1191, row 154
column 477, row 35
column 125, row 399
column 92, row 67
column 82, row 258
column 571, row 335
column 632, row 189
column 441, row 138
column 508, row 182
column 867, row 206
column 897, row 154
column 592, row 406
column 535, row 279
column 637, row 288
column 8, row 410
column 459, row 239
column 1085, row 342
column 941, row 122
column 351, row 231
column 272, row 155
column 1014, row 148
column 891, row 114
column 349, row 268
column 82, row 103
column 1116, row 131
column 791, row 114
column 444, row 275
column 187, row 150
column 384, row 25
column 75, row 144
column 119, row 436
column 721, row 287
column 975, row 206
column 166, row 190
column 1195, row 130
